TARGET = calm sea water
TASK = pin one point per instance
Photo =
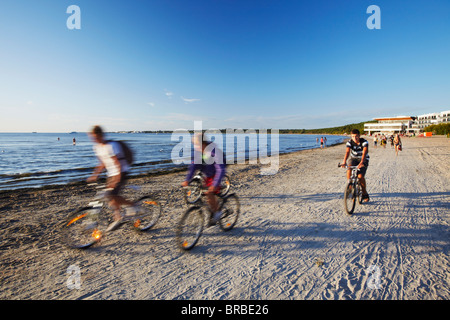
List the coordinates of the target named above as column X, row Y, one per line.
column 40, row 159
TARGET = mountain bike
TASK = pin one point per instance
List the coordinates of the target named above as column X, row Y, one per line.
column 353, row 190
column 87, row 225
column 193, row 192
column 193, row 221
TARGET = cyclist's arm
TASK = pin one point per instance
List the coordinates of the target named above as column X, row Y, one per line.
column 347, row 153
column 191, row 170
column 98, row 169
column 363, row 158
column 220, row 172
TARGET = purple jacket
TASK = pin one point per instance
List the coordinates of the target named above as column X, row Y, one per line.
column 216, row 170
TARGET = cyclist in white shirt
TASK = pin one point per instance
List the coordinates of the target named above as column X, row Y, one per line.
column 111, row 158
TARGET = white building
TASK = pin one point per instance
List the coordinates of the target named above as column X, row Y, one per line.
column 406, row 124
column 391, row 125
column 426, row 120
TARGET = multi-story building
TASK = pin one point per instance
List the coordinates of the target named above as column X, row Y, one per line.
column 444, row 117
column 426, row 120
column 406, row 124
column 391, row 125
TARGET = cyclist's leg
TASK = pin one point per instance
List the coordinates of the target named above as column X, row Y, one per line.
column 362, row 181
column 350, row 163
column 211, row 197
column 116, row 200
column 212, row 201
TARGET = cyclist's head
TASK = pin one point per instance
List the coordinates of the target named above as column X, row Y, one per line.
column 97, row 134
column 355, row 135
column 200, row 141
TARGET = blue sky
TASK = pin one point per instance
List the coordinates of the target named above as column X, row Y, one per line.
column 161, row 64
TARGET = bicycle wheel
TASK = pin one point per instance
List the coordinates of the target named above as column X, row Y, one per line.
column 190, row 228
column 82, row 229
column 193, row 191
column 359, row 193
column 230, row 212
column 349, row 199
column 225, row 186
column 149, row 213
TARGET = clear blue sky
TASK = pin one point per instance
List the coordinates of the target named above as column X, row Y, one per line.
column 161, row 64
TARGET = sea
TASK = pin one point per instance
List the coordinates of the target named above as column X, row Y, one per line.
column 35, row 160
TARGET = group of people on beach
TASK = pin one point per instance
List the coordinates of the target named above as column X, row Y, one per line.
column 112, row 158
column 394, row 139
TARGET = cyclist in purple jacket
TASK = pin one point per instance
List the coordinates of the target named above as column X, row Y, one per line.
column 212, row 166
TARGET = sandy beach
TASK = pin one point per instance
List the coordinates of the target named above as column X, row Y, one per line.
column 293, row 240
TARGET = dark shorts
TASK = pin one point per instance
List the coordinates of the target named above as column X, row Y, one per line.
column 355, row 162
column 120, row 185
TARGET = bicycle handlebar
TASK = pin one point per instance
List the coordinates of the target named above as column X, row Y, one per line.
column 346, row 166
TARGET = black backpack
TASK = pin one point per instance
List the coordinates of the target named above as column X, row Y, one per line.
column 127, row 152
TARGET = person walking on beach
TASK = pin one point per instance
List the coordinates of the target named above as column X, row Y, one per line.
column 213, row 167
column 358, row 150
column 112, row 158
column 397, row 143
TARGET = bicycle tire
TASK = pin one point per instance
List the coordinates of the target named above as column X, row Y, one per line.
column 190, row 228
column 230, row 212
column 149, row 213
column 82, row 228
column 225, row 186
column 193, row 191
column 349, row 199
column 359, row 193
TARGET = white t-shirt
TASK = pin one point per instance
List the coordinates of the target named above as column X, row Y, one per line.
column 105, row 152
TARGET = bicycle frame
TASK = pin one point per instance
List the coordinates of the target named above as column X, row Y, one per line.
column 354, row 175
column 353, row 186
column 85, row 226
column 200, row 175
column 201, row 202
column 99, row 200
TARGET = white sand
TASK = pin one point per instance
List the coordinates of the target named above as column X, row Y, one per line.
column 293, row 240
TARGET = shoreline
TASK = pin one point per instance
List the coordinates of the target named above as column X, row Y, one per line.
column 156, row 172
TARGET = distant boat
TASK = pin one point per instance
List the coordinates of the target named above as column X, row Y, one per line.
column 73, row 132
